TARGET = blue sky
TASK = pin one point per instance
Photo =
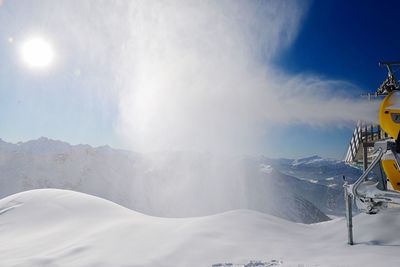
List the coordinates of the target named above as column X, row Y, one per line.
column 75, row 100
column 346, row 40
column 341, row 40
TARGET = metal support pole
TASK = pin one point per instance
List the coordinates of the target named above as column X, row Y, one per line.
column 349, row 214
column 365, row 156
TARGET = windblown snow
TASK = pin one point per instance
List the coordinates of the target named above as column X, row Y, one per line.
column 178, row 184
column 50, row 227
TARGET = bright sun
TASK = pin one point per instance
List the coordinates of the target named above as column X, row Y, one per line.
column 37, row 53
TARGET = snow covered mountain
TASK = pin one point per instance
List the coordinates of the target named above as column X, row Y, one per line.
column 321, row 179
column 63, row 228
column 317, row 170
column 178, row 184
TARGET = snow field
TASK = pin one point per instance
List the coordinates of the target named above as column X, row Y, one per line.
column 51, row 227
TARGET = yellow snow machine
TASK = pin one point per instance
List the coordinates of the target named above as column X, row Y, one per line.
column 378, row 148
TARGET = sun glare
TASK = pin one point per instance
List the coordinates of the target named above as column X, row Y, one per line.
column 37, row 53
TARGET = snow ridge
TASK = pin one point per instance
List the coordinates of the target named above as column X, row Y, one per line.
column 52, row 227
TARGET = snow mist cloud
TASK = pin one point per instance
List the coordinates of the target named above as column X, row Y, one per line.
column 194, row 75
column 199, row 75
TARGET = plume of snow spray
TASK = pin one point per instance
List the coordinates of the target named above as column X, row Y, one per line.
column 196, row 76
column 199, row 76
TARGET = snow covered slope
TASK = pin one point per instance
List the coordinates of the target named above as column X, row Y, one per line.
column 319, row 180
column 64, row 228
column 47, row 163
column 317, row 170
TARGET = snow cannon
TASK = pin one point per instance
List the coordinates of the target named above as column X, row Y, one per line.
column 389, row 119
column 377, row 148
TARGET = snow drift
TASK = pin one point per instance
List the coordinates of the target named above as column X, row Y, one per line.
column 51, row 227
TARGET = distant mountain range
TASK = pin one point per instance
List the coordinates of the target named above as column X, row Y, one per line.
column 318, row 180
column 179, row 184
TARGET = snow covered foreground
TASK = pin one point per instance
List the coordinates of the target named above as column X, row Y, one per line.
column 50, row 227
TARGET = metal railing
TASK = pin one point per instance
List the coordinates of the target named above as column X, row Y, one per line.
column 364, row 135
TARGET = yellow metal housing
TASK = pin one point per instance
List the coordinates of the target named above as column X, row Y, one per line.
column 389, row 119
column 389, row 114
column 391, row 169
